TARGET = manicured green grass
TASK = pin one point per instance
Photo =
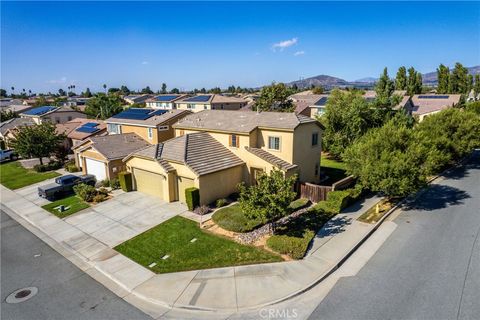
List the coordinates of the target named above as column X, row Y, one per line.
column 334, row 169
column 75, row 203
column 293, row 238
column 173, row 238
column 233, row 219
column 14, row 176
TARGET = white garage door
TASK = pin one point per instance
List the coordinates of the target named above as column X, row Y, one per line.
column 97, row 168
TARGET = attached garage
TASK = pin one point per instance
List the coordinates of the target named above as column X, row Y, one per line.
column 149, row 182
column 97, row 168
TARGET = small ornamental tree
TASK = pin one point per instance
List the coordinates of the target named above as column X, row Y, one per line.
column 37, row 141
column 270, row 198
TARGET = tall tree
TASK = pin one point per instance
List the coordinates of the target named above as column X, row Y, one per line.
column 414, row 82
column 164, row 88
column 147, row 90
column 37, row 141
column 175, row 90
column 443, row 75
column 125, row 91
column 401, row 79
column 3, row 93
column 87, row 93
column 104, row 106
column 476, row 86
column 458, row 79
column 61, row 92
column 384, row 87
column 13, row 90
column 469, row 83
column 275, row 98
column 105, row 88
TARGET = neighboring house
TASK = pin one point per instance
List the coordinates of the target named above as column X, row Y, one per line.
column 310, row 105
column 78, row 103
column 53, row 114
column 164, row 101
column 5, row 102
column 137, row 98
column 80, row 129
column 152, row 125
column 424, row 105
column 9, row 128
column 472, row 97
column 102, row 155
column 202, row 102
column 215, row 150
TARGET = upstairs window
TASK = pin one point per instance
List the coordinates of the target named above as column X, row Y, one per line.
column 114, row 128
column 234, row 141
column 190, row 106
column 274, row 143
column 314, row 139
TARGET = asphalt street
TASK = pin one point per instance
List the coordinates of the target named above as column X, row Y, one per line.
column 429, row 267
column 64, row 291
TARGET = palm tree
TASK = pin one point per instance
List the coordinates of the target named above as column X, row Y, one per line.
column 29, row 92
column 105, row 87
column 13, row 90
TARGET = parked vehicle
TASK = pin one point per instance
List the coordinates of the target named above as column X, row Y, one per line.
column 64, row 185
column 7, row 155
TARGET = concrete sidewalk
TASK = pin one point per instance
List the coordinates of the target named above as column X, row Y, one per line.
column 221, row 290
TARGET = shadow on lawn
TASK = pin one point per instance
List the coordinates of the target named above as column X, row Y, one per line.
column 437, row 196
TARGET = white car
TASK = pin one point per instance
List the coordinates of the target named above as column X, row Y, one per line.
column 7, row 155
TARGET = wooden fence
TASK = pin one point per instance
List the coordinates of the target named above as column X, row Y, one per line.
column 314, row 192
column 343, row 184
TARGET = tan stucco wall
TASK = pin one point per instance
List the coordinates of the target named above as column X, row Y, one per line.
column 61, row 117
column 305, row 155
column 219, row 184
column 141, row 131
column 286, row 143
column 197, row 106
column 227, row 106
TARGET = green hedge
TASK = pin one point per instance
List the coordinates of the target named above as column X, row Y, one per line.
column 52, row 165
column 292, row 246
column 125, row 179
column 298, row 204
column 192, row 197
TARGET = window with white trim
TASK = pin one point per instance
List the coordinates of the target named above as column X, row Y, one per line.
column 114, row 128
column 150, row 133
column 190, row 106
column 274, row 143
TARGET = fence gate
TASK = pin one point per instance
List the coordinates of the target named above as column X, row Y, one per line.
column 314, row 192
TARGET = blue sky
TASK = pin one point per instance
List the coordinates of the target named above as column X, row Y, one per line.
column 48, row 45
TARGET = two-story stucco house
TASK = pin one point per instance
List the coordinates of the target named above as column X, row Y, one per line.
column 210, row 102
column 164, row 101
column 152, row 125
column 214, row 150
column 52, row 114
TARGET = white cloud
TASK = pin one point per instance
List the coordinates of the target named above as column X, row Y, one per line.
column 284, row 44
column 299, row 53
column 58, row 81
column 145, row 62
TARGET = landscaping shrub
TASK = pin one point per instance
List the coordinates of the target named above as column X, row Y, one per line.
column 298, row 204
column 53, row 165
column 105, row 183
column 100, row 197
column 292, row 246
column 201, row 210
column 103, row 191
column 338, row 200
column 232, row 218
column 115, row 184
column 221, row 203
column 125, row 179
column 85, row 192
column 192, row 197
column 72, row 167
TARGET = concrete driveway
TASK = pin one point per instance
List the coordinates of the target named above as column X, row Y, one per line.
column 123, row 217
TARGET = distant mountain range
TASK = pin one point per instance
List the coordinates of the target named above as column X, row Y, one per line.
column 329, row 82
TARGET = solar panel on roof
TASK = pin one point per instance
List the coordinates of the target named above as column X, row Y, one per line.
column 157, row 112
column 321, row 102
column 39, row 111
column 204, row 98
column 87, row 129
column 167, row 98
column 90, row 124
column 433, row 97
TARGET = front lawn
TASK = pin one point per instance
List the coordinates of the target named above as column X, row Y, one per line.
column 75, row 203
column 14, row 176
column 294, row 237
column 233, row 219
column 334, row 169
column 175, row 239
